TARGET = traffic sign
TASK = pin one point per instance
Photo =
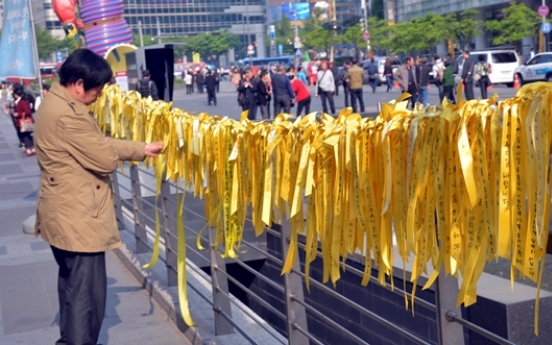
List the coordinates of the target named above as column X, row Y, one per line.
column 250, row 47
column 366, row 36
column 297, row 39
column 543, row 10
column 546, row 27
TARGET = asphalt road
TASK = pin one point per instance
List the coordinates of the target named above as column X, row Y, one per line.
column 227, row 104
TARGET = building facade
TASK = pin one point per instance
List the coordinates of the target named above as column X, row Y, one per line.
column 169, row 18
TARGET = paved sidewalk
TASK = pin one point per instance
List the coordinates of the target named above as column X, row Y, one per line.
column 28, row 272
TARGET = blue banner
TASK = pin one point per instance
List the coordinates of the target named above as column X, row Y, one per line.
column 16, row 47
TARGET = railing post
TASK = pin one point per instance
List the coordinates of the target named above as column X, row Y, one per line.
column 139, row 220
column 219, row 284
column 171, row 243
column 117, row 198
column 446, row 294
column 293, row 283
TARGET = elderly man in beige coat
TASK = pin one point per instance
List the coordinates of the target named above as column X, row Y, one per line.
column 405, row 76
column 75, row 212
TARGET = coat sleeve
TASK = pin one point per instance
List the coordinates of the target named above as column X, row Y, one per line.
column 128, row 150
column 82, row 139
column 154, row 91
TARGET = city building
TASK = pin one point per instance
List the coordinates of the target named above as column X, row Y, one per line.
column 401, row 10
column 166, row 18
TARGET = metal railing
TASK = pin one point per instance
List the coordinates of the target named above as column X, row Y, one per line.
column 450, row 326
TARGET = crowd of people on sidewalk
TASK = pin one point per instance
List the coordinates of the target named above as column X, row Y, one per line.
column 280, row 88
column 19, row 103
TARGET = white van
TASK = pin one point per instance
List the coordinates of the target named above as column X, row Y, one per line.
column 502, row 64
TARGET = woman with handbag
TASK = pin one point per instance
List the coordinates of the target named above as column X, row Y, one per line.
column 24, row 116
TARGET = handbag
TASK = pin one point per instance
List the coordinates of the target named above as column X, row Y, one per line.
column 476, row 77
column 319, row 90
column 27, row 125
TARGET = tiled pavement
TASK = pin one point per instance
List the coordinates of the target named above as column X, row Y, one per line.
column 28, row 299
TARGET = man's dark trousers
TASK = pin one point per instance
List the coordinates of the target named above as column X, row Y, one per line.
column 211, row 96
column 346, row 92
column 82, row 289
column 357, row 94
column 326, row 95
column 468, row 90
column 282, row 102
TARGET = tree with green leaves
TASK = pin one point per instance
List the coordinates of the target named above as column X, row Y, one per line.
column 320, row 39
column 420, row 34
column 516, row 22
column 209, row 44
column 463, row 27
column 353, row 36
column 148, row 40
column 381, row 34
column 47, row 44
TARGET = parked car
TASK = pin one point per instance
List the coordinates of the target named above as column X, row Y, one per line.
column 502, row 64
column 539, row 68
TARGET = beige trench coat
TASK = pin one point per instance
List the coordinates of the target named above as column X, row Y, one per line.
column 75, row 209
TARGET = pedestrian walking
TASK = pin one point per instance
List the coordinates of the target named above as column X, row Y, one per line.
column 406, row 78
column 147, row 87
column 189, row 79
column 388, row 73
column 448, row 82
column 4, row 96
column 302, row 95
column 482, row 75
column 355, row 78
column 283, row 93
column 467, row 76
column 236, row 77
column 326, row 88
column 438, row 72
column 75, row 212
column 211, row 86
column 424, row 81
column 24, row 117
column 372, row 70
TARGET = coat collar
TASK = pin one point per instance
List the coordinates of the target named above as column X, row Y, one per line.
column 62, row 92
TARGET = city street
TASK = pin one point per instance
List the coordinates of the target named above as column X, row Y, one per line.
column 227, row 104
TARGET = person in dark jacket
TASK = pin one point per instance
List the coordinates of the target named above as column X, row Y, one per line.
column 337, row 80
column 424, row 81
column 372, row 71
column 346, row 89
column 211, row 86
column 147, row 87
column 467, row 76
column 263, row 95
column 200, row 80
column 283, row 93
column 248, row 87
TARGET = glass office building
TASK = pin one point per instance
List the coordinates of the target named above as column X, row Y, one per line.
column 165, row 18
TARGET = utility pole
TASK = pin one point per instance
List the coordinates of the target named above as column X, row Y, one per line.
column 35, row 49
column 141, row 34
column 334, row 28
column 365, row 13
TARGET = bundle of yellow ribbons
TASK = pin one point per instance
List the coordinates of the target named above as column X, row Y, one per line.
column 451, row 186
